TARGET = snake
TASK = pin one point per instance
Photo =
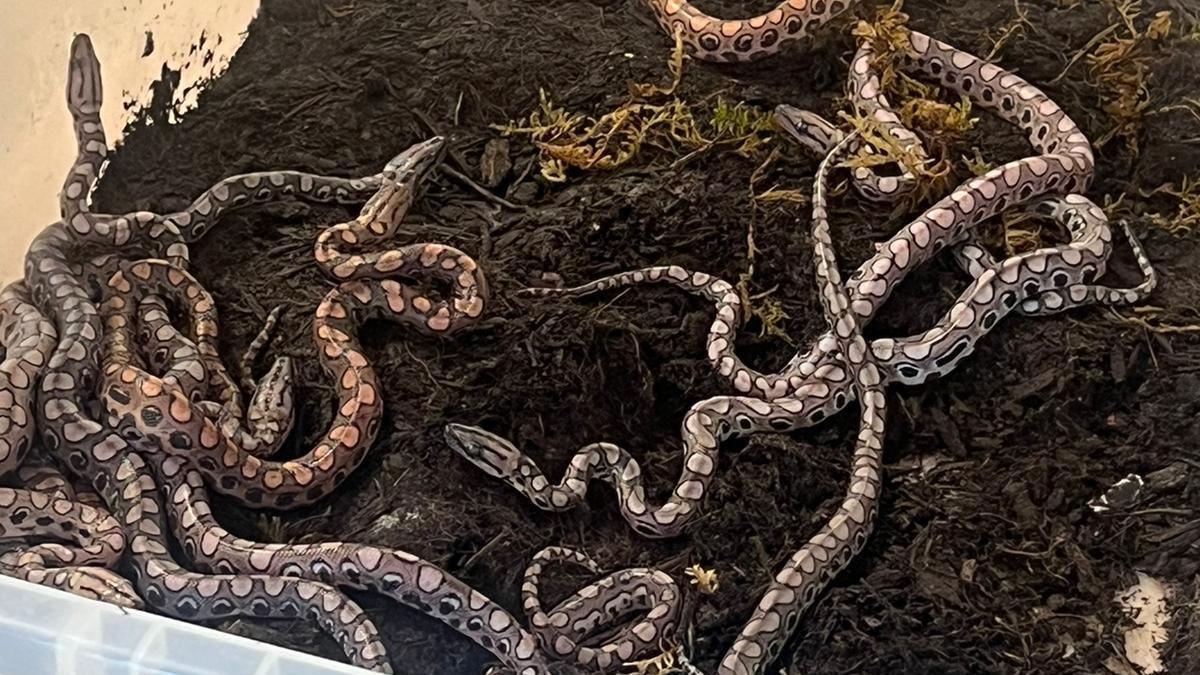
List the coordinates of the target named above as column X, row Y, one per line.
column 122, row 469
column 564, row 630
column 117, row 467
column 27, row 338
column 94, row 540
column 268, row 418
column 72, row 434
column 796, row 585
column 733, row 40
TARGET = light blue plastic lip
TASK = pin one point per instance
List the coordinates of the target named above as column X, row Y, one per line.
column 49, row 632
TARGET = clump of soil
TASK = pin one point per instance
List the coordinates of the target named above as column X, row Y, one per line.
column 986, row 557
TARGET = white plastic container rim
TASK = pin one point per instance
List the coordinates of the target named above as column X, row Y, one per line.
column 49, row 632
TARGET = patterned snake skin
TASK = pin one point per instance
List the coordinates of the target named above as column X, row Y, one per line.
column 134, row 397
column 559, row 631
column 393, row 573
column 822, row 381
column 732, row 40
column 811, row 568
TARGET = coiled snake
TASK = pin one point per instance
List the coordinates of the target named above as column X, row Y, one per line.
column 391, row 572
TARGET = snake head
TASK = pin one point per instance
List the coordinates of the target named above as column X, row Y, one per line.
column 272, row 409
column 495, row 455
column 104, row 585
column 84, row 91
column 808, row 129
column 416, row 161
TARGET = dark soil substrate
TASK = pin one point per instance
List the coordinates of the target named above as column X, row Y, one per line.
column 986, row 557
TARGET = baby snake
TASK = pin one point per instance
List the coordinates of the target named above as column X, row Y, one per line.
column 122, row 469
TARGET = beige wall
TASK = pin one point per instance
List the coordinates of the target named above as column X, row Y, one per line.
column 36, row 142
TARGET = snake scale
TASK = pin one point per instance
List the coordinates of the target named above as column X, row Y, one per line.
column 147, row 419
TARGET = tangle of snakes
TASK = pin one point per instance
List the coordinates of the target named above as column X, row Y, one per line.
column 145, row 418
column 822, row 381
column 126, row 466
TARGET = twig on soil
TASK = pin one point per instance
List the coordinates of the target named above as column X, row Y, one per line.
column 484, row 192
column 1017, row 25
column 487, row 548
column 1083, row 52
column 1162, row 512
column 310, row 104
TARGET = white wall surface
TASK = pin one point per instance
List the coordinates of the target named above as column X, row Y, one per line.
column 36, row 141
